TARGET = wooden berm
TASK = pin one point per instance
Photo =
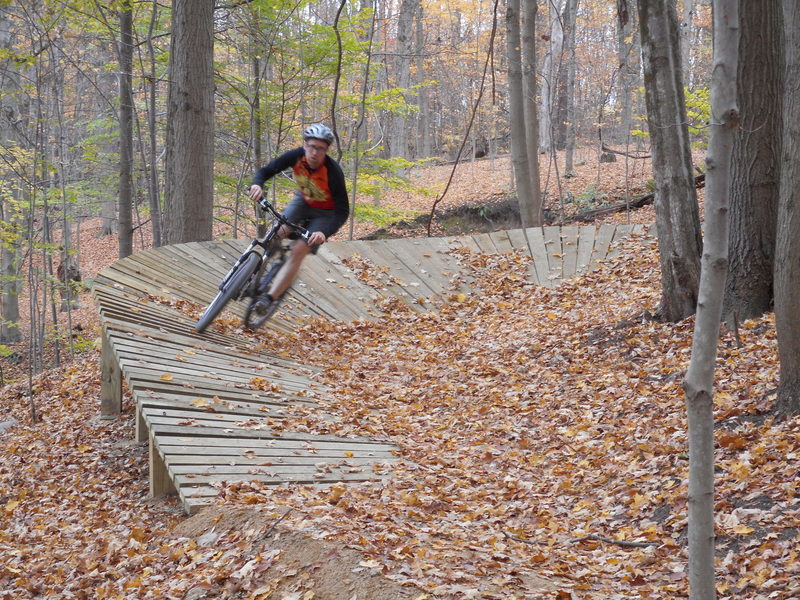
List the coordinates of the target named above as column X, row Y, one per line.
column 196, row 403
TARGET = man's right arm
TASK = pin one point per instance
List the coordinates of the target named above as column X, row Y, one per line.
column 277, row 165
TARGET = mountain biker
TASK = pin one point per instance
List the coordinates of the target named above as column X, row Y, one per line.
column 320, row 203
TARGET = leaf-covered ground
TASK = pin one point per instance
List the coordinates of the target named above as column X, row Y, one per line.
column 543, row 455
column 543, row 442
column 542, row 438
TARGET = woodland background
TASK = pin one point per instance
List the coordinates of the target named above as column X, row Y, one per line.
column 399, row 81
column 413, row 90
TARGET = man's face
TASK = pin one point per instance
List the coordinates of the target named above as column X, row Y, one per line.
column 315, row 152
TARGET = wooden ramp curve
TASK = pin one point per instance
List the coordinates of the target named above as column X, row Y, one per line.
column 212, row 409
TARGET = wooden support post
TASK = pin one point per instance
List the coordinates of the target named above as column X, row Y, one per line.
column 141, row 425
column 111, row 381
column 160, row 482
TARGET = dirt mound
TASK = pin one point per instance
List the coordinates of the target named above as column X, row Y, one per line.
column 304, row 567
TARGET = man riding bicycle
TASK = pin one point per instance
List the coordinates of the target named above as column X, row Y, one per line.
column 320, row 203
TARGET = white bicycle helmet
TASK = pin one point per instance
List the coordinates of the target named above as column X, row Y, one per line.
column 318, row 131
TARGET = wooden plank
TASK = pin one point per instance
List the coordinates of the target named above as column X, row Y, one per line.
column 501, row 241
column 157, row 428
column 484, row 243
column 552, row 242
column 282, row 458
column 151, row 376
column 585, row 248
column 392, row 284
column 110, row 380
column 211, row 365
column 334, row 470
column 621, row 232
column 414, row 289
column 319, row 286
column 403, row 259
column 538, row 249
column 341, row 253
column 211, row 404
column 277, row 478
column 463, row 241
column 569, row 251
column 433, row 268
column 602, row 240
column 312, row 445
column 173, row 414
column 145, row 391
column 439, row 260
column 235, row 347
column 160, row 481
column 520, row 242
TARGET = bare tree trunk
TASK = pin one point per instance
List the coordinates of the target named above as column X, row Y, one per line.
column 154, row 192
column 677, row 213
column 362, row 117
column 550, row 67
column 13, row 109
column 533, row 209
column 569, row 48
column 10, row 277
column 125, row 129
column 190, row 123
column 755, row 181
column 686, row 42
column 425, row 145
column 628, row 56
column 519, row 152
column 699, row 381
column 787, row 250
column 398, row 141
column 256, row 122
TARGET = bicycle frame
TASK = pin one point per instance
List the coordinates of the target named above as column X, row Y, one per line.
column 264, row 242
column 237, row 283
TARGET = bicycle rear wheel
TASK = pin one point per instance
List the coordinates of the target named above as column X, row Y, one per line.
column 253, row 319
column 229, row 291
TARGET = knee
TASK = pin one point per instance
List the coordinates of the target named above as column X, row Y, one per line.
column 299, row 251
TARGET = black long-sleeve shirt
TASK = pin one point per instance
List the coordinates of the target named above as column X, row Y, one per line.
column 322, row 188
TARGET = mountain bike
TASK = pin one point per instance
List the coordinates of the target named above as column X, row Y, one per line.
column 253, row 272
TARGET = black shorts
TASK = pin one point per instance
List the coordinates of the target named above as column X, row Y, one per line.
column 314, row 219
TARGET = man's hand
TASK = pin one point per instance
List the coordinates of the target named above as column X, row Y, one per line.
column 317, row 238
column 256, row 192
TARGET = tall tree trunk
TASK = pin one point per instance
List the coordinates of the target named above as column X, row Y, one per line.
column 398, row 141
column 425, row 145
column 9, row 273
column 629, row 66
column 756, row 154
column 519, row 152
column 569, row 122
column 686, row 41
column 787, row 250
column 677, row 213
column 699, row 381
column 154, row 192
column 190, row 123
column 13, row 114
column 125, row 129
column 533, row 208
column 550, row 69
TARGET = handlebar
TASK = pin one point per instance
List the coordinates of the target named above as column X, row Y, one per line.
column 267, row 207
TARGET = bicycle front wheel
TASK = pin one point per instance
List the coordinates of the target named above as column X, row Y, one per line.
column 229, row 291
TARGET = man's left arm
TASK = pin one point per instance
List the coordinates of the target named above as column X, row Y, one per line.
column 341, row 202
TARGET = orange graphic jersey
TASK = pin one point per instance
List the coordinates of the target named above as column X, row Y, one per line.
column 313, row 184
